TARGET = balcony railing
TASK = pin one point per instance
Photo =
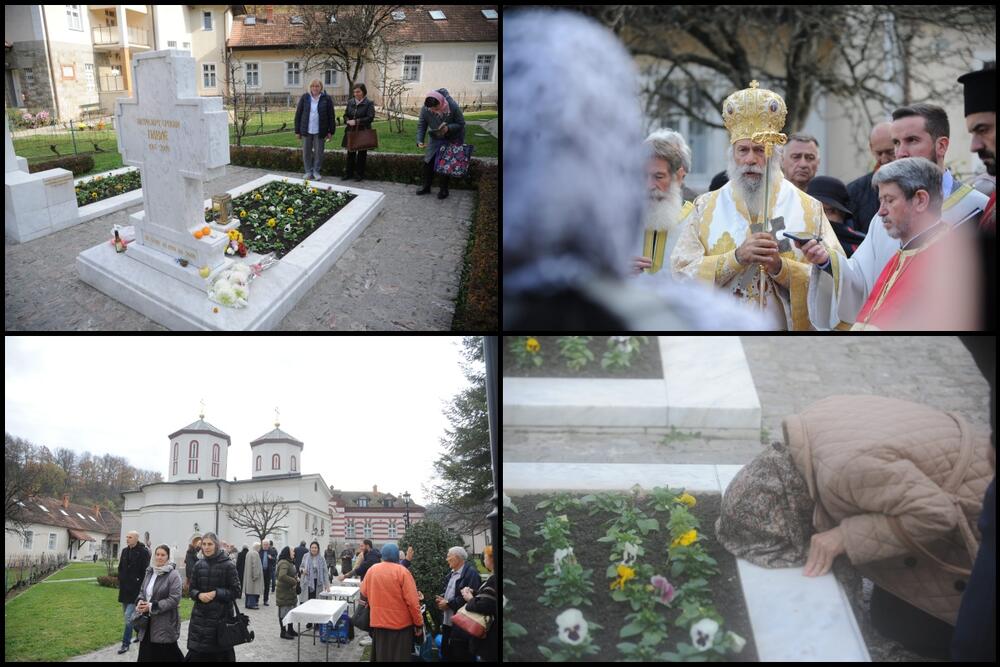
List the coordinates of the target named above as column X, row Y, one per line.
column 104, row 35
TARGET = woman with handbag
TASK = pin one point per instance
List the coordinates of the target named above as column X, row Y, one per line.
column 482, row 608
column 359, row 135
column 286, row 593
column 215, row 587
column 159, row 623
column 442, row 117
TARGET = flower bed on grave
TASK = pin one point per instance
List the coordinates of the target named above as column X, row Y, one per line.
column 582, row 357
column 280, row 215
column 104, row 187
column 620, row 576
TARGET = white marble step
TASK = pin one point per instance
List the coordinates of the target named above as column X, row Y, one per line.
column 707, row 384
column 794, row 618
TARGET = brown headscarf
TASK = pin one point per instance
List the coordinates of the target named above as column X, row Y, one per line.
column 766, row 514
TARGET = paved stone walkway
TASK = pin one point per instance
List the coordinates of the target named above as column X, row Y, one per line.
column 789, row 373
column 402, row 273
column 267, row 646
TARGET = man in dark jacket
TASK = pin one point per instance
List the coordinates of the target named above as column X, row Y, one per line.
column 241, row 561
column 371, row 556
column 267, row 563
column 454, row 642
column 274, row 563
column 131, row 571
column 214, row 587
column 300, row 552
column 864, row 199
column 314, row 125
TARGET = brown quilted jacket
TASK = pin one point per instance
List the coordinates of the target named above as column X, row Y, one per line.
column 905, row 483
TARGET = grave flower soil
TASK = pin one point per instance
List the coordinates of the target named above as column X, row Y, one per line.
column 619, row 572
column 582, row 357
column 278, row 216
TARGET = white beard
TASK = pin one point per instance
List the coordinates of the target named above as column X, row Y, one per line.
column 750, row 190
column 664, row 209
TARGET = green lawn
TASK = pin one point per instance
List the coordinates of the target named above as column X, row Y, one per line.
column 38, row 148
column 80, row 570
column 52, row 622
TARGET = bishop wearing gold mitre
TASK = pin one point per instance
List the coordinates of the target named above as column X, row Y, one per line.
column 735, row 238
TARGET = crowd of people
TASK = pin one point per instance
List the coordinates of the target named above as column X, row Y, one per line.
column 601, row 231
column 216, row 575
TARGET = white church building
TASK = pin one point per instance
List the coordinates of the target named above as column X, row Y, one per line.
column 197, row 495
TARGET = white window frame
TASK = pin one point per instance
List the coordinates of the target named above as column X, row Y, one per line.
column 211, row 20
column 420, row 70
column 493, row 68
column 172, row 44
column 52, row 541
column 29, row 539
column 90, row 76
column 289, row 71
column 246, row 75
column 73, row 13
column 333, row 83
column 215, row 74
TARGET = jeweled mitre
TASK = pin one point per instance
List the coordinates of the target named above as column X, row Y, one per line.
column 752, row 110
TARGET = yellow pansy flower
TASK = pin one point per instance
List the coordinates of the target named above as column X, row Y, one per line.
column 686, row 499
column 290, row 210
column 271, row 222
column 532, row 345
column 685, row 539
column 624, row 574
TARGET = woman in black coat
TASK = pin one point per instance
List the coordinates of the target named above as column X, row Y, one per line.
column 484, row 602
column 214, row 587
column 359, row 116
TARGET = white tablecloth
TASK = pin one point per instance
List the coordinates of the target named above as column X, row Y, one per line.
column 351, row 582
column 316, row 611
column 341, row 593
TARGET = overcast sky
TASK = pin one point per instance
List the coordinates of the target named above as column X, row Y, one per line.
column 369, row 410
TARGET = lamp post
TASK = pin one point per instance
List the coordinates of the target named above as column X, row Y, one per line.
column 406, row 501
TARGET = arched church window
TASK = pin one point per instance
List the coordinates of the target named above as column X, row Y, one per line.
column 258, row 463
column 275, row 462
column 293, row 464
column 193, row 449
column 201, row 493
column 215, row 460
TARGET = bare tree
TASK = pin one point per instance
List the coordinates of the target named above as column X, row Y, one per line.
column 386, row 60
column 236, row 92
column 259, row 517
column 342, row 37
column 21, row 474
column 872, row 57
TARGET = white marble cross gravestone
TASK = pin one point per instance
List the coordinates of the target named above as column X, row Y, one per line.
column 177, row 139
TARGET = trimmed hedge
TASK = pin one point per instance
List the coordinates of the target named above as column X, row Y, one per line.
column 395, row 167
column 78, row 164
column 477, row 307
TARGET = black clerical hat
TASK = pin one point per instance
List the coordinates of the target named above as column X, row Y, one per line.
column 980, row 91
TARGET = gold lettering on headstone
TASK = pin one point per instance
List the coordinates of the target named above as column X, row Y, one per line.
column 159, row 140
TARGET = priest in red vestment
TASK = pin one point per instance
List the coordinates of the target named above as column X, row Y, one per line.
column 929, row 283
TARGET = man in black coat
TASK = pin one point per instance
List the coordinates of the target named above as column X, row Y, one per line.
column 300, row 552
column 454, row 642
column 267, row 563
column 131, row 570
column 864, row 199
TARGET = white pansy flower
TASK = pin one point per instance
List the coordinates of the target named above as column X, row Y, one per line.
column 703, row 633
column 572, row 627
column 629, row 553
column 560, row 556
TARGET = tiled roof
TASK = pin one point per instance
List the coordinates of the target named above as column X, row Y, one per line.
column 79, row 517
column 462, row 23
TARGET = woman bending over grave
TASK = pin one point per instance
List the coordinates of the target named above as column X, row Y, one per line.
column 898, row 488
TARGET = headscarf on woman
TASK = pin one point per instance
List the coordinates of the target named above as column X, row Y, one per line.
column 766, row 513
